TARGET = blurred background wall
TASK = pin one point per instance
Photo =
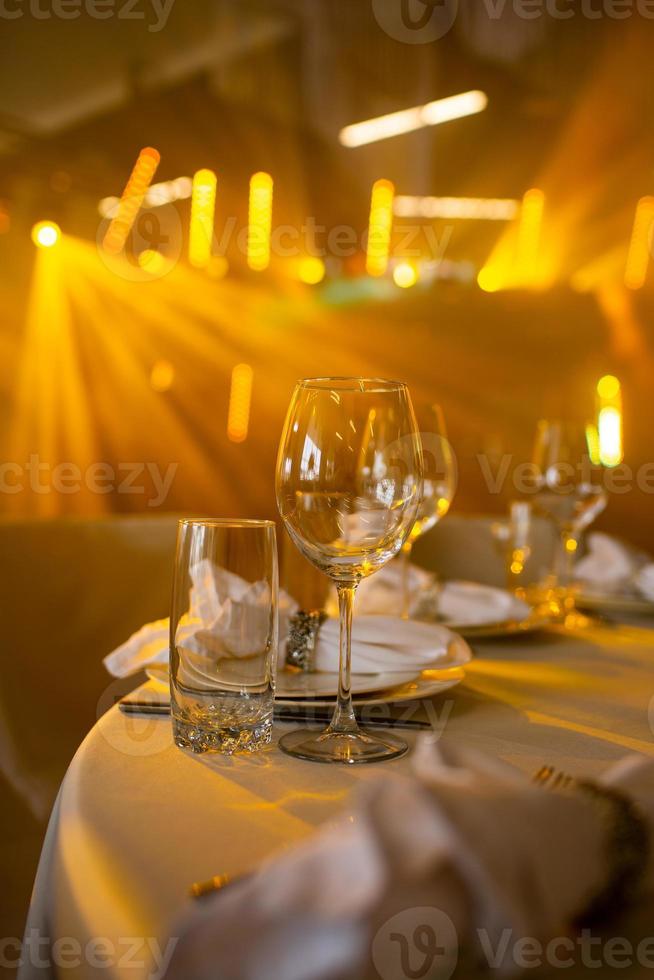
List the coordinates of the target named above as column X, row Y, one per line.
column 116, row 373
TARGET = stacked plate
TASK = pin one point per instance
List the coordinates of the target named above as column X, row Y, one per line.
column 386, row 687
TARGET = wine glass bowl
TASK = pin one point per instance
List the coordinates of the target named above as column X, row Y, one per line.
column 348, row 483
column 438, row 488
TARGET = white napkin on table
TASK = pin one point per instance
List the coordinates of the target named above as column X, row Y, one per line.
column 383, row 643
column 381, row 594
column 472, row 604
column 612, row 567
column 466, row 851
column 463, row 603
column 644, row 581
column 229, row 618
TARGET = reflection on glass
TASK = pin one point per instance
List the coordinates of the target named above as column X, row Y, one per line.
column 224, row 635
column 348, row 487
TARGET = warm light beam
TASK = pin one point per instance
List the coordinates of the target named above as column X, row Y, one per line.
column 260, row 221
column 609, row 422
column 203, row 206
column 610, row 436
column 408, row 120
column 380, row 227
column 239, row 403
column 529, row 232
column 131, row 201
column 639, row 246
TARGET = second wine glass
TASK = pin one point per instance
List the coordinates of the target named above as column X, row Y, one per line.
column 438, row 486
column 349, row 477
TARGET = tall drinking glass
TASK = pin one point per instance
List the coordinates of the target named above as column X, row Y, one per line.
column 570, row 491
column 438, row 486
column 349, row 475
column 223, row 635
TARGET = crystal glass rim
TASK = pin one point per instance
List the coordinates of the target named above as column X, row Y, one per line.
column 351, row 383
column 250, row 522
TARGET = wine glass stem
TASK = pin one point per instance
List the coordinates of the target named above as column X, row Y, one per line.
column 405, row 558
column 344, row 720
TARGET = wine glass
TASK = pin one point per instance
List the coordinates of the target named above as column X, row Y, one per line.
column 569, row 491
column 349, row 474
column 512, row 536
column 438, row 486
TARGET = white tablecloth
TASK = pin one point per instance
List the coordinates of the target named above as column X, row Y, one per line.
column 137, row 820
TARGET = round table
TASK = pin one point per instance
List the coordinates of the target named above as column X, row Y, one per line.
column 138, row 821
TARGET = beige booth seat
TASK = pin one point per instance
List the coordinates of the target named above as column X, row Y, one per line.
column 70, row 591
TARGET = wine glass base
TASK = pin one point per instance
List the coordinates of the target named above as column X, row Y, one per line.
column 346, row 749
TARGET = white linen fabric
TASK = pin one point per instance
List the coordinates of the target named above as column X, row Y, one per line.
column 457, row 602
column 138, row 820
column 644, row 581
column 379, row 643
column 381, row 593
column 230, row 618
column 472, row 604
column 611, row 566
column 474, row 841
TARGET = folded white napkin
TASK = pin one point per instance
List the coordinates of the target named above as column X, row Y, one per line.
column 229, row 618
column 382, row 592
column 644, row 581
column 383, row 643
column 610, row 566
column 473, row 604
column 457, row 603
column 464, row 860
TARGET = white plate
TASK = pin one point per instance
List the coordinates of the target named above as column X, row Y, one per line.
column 390, row 685
column 425, row 685
column 298, row 687
column 595, row 601
column 305, row 686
